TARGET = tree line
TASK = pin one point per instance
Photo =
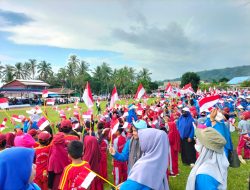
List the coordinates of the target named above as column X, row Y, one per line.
column 77, row 72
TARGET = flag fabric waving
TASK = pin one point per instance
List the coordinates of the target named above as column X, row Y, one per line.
column 42, row 123
column 187, row 89
column 45, row 93
column 169, row 88
column 208, row 102
column 87, row 96
column 140, row 92
column 114, row 97
column 4, row 103
column 114, row 127
column 2, row 126
column 88, row 179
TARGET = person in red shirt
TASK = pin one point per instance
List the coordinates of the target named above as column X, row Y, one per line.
column 174, row 141
column 42, row 157
column 103, row 143
column 120, row 169
column 75, row 173
column 92, row 155
column 66, row 128
column 58, row 159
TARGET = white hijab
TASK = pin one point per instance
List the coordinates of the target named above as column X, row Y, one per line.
column 210, row 163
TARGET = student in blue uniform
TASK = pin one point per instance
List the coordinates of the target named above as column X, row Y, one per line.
column 211, row 168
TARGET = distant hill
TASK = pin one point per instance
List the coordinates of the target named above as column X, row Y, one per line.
column 217, row 74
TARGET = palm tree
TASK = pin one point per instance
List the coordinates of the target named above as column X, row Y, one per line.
column 7, row 74
column 1, row 69
column 19, row 71
column 83, row 67
column 144, row 75
column 44, row 70
column 62, row 75
column 27, row 70
column 33, row 66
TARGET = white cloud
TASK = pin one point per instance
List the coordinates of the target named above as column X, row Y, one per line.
column 168, row 37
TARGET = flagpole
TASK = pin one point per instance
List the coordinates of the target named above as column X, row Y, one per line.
column 101, row 177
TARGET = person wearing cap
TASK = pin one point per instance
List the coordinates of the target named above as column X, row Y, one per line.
column 244, row 129
column 42, row 157
column 217, row 122
column 2, row 142
column 211, row 168
column 185, row 125
column 131, row 151
column 66, row 128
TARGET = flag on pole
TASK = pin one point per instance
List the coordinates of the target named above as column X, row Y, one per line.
column 208, row 102
column 88, row 179
column 45, row 93
column 87, row 115
column 114, row 127
column 18, row 118
column 187, row 89
column 51, row 101
column 140, row 92
column 2, row 126
column 4, row 103
column 114, row 97
column 169, row 88
column 42, row 123
column 87, row 96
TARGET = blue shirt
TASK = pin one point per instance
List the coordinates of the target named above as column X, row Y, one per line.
column 224, row 131
column 130, row 184
column 206, row 182
column 124, row 155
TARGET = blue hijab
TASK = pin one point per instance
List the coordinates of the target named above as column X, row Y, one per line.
column 16, row 168
column 185, row 126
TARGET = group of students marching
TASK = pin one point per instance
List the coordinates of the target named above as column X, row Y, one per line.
column 144, row 141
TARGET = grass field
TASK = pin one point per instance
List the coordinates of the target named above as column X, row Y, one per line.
column 237, row 177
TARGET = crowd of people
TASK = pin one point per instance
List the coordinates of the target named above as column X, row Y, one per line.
column 143, row 139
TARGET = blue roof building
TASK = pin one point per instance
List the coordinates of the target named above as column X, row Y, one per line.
column 238, row 80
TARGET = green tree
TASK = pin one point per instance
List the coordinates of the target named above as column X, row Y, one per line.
column 18, row 71
column 245, row 83
column 7, row 73
column 44, row 70
column 33, row 65
column 190, row 77
column 27, row 70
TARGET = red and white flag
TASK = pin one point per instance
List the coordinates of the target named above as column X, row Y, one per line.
column 208, row 102
column 169, row 88
column 45, row 93
column 187, row 88
column 68, row 108
column 4, row 103
column 88, row 179
column 38, row 110
column 114, row 98
column 2, row 126
column 87, row 96
column 42, row 123
column 87, row 115
column 18, row 118
column 114, row 127
column 51, row 101
column 140, row 92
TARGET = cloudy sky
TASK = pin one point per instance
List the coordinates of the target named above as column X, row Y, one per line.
column 167, row 37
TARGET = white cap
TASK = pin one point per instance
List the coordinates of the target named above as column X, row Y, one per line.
column 186, row 109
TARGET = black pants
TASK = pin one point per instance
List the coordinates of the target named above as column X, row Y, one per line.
column 188, row 153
